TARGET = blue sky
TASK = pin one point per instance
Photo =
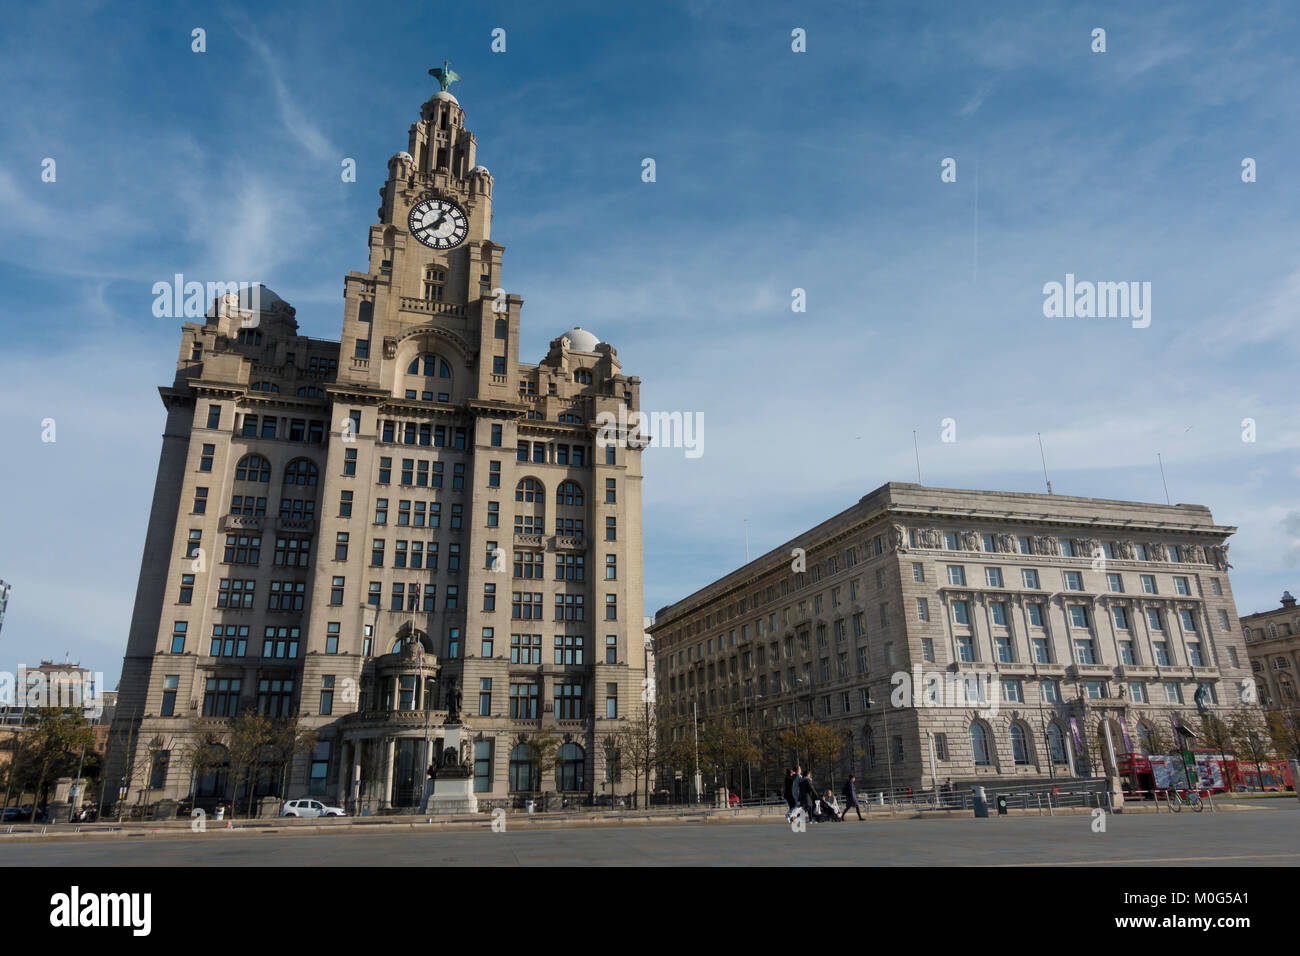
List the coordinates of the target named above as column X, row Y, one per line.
column 775, row 170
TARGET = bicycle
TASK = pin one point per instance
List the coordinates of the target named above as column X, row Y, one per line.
column 1193, row 800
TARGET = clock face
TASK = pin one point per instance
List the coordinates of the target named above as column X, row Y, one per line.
column 439, row 223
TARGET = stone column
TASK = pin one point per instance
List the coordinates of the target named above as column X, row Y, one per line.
column 344, row 766
column 387, row 800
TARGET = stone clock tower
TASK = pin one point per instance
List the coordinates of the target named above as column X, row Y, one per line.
column 347, row 534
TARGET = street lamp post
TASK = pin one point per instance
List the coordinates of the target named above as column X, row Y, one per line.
column 889, row 758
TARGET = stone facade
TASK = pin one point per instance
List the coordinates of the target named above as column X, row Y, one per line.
column 342, row 530
column 1273, row 643
column 886, row 619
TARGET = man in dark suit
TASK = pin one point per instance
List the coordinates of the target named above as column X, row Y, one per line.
column 851, row 797
column 788, row 791
column 807, row 794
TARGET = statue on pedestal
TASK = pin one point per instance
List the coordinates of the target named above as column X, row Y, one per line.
column 453, row 702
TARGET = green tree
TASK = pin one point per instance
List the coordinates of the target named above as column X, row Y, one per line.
column 57, row 742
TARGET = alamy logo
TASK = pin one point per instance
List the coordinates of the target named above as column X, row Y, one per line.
column 1099, row 300
column 655, row 429
column 72, row 689
column 76, row 909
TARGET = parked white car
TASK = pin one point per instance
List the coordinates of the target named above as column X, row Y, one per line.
column 310, row 808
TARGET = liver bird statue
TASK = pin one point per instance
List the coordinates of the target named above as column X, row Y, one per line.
column 445, row 76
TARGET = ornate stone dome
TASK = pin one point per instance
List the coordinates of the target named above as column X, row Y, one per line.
column 580, row 340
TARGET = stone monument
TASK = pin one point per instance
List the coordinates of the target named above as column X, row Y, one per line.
column 450, row 788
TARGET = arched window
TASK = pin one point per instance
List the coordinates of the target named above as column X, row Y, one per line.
column 1056, row 743
column 264, row 387
column 569, row 493
column 1288, row 689
column 521, row 770
column 311, row 391
column 531, row 518
column 253, row 468
column 1019, row 745
column 569, row 765
column 529, row 490
column 300, row 472
column 429, row 365
column 979, row 744
column 1146, row 739
column 216, row 764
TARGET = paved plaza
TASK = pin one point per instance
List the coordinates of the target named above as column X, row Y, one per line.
column 1263, row 837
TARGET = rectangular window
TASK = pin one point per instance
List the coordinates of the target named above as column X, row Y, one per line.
column 1120, row 616
column 332, row 637
column 965, row 648
column 1041, row 651
column 1030, row 578
column 1149, row 584
column 1006, row 654
column 961, row 612
column 918, row 572
column 326, row 695
column 1078, row 615
column 1073, row 581
column 1115, row 582
column 956, row 575
column 993, row 577
column 1035, row 612
column 178, row 637
column 214, row 416
column 922, row 610
column 611, row 701
column 1084, row 652
column 1181, row 585
column 171, row 683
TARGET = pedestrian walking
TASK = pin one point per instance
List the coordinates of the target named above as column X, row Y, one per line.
column 791, row 791
column 808, row 794
column 851, row 797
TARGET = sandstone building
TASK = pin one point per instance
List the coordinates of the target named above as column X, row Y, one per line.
column 1273, row 643
column 1057, row 617
column 345, row 530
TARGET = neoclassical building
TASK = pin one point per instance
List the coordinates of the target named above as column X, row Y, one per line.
column 1273, row 643
column 346, row 530
column 966, row 635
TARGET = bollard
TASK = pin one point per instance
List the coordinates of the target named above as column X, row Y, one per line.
column 981, row 806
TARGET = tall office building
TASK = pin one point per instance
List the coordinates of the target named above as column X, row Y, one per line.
column 966, row 635
column 337, row 523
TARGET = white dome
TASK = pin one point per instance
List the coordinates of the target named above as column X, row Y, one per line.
column 258, row 295
column 480, row 169
column 403, row 155
column 580, row 340
column 444, row 95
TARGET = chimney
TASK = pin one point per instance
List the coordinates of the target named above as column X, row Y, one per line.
column 1287, row 599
